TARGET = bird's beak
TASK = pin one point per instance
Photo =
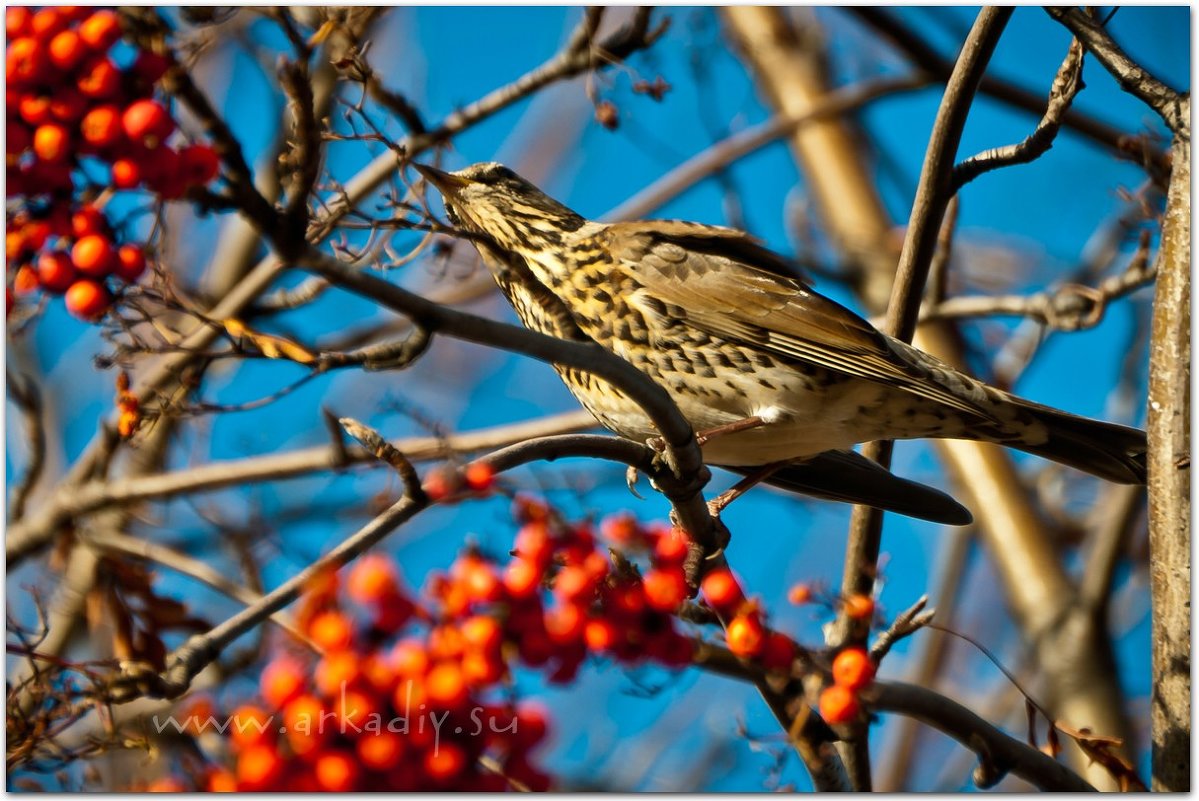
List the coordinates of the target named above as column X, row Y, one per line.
column 446, row 182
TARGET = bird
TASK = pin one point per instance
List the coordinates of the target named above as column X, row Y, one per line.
column 773, row 375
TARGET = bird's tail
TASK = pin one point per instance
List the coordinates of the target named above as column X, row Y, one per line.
column 1107, row 450
column 849, row 477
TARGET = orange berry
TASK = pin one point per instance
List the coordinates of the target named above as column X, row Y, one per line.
column 533, row 542
column 600, row 634
column 258, row 768
column 482, row 669
column 838, row 704
column 778, row 652
column 51, row 142
column 26, row 281
column 573, row 584
column 93, row 255
column 335, row 672
column 446, row 642
column 35, row 109
column 221, row 781
column 55, row 272
column 304, row 719
column 722, row 591
column 746, row 635
column 88, row 219
column 17, row 21
column 482, row 633
column 379, row 672
column 445, row 762
column 130, row 263
column 331, row 630
column 99, row 79
column 522, row 578
column 671, row 547
column 100, row 31
column 479, row 476
column 445, row 686
column 620, row 529
column 372, row 579
column 410, row 658
column 147, row 122
column 282, row 680
column 565, row 623
column 859, row 607
column 87, row 300
column 665, row 590
column 101, row 127
column 356, row 707
column 251, row 724
column 800, row 594
column 47, row 22
column 126, row 174
column 853, row 668
column 438, row 484
column 26, row 61
column 380, row 750
column 66, row 50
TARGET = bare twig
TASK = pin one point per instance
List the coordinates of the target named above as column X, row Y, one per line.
column 908, row 622
column 1171, row 105
column 1066, row 84
column 25, row 394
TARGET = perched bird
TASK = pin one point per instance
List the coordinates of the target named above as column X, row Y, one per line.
column 724, row 325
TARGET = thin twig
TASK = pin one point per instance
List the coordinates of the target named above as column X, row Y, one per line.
column 25, row 394
column 1066, row 85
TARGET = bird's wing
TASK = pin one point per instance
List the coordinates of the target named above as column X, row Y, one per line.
column 714, row 282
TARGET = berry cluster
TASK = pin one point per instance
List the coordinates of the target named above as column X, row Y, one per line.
column 80, row 126
column 448, row 655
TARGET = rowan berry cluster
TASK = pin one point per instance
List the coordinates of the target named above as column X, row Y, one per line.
column 448, row 655
column 79, row 127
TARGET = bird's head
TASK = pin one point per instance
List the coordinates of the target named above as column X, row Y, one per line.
column 492, row 200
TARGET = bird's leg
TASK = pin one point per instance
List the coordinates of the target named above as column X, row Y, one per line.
column 736, row 427
column 718, row 504
column 708, row 434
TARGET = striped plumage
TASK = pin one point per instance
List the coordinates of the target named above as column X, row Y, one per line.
column 721, row 323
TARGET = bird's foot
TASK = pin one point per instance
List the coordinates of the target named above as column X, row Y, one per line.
column 709, row 434
column 721, row 501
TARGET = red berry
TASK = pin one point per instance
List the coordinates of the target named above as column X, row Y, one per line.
column 101, row 126
column 722, row 591
column 665, row 589
column 372, row 579
column 66, row 50
column 47, row 22
column 853, row 668
column 671, row 547
column 479, row 476
column 26, row 281
column 800, row 594
column 55, row 272
column 17, row 21
column 130, row 263
column 859, row 607
column 51, row 142
column 99, row 79
column 533, row 543
column 331, row 630
column 68, row 105
column 600, row 634
column 565, row 623
column 199, row 165
column 282, row 681
column 258, row 768
column 380, row 750
column 93, row 255
column 838, row 705
column 522, row 578
column 126, row 174
column 100, row 31
column 34, row 109
column 445, row 686
column 746, row 635
column 147, row 122
column 88, row 300
column 483, row 633
column 778, row 652
column 444, row 763
column 26, row 61
column 336, row 772
column 88, row 219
